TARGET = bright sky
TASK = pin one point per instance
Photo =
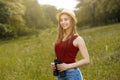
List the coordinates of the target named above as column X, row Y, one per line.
column 67, row 4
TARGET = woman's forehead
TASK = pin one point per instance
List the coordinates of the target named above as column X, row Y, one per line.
column 64, row 16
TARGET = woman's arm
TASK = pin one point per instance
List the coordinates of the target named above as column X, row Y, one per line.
column 79, row 42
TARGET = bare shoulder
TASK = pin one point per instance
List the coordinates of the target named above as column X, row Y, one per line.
column 78, row 41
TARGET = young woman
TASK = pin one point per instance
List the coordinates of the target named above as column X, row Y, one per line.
column 67, row 45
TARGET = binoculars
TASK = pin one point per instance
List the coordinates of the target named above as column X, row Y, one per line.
column 56, row 72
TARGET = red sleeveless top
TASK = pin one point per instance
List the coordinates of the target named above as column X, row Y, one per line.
column 70, row 51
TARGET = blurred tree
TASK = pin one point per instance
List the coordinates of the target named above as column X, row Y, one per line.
column 16, row 19
column 34, row 14
column 98, row 12
column 86, row 13
column 39, row 16
column 4, row 12
column 50, row 12
column 11, row 16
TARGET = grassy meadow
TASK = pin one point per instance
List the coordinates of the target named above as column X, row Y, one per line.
column 29, row 57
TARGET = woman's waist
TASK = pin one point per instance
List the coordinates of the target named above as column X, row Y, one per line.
column 67, row 61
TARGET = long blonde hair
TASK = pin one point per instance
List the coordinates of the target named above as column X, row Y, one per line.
column 61, row 31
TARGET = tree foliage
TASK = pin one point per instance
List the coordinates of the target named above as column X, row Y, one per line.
column 4, row 13
column 11, row 17
column 21, row 17
column 39, row 16
column 98, row 12
column 50, row 12
column 34, row 15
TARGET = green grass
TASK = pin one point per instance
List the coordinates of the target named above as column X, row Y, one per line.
column 29, row 58
column 104, row 48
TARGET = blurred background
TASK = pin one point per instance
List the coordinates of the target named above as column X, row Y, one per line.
column 28, row 30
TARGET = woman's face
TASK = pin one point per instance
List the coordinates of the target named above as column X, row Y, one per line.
column 65, row 21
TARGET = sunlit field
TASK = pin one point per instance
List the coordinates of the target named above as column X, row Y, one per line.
column 29, row 58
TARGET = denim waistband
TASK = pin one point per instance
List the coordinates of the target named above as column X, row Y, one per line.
column 71, row 69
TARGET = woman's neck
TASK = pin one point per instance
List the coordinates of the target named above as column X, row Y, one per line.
column 67, row 32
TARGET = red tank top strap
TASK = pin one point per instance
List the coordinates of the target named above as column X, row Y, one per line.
column 74, row 37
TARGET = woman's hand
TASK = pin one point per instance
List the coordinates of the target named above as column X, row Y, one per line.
column 53, row 66
column 62, row 67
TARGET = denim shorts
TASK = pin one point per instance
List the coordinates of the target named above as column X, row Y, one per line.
column 72, row 74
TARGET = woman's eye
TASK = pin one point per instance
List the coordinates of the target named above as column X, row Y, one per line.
column 65, row 19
